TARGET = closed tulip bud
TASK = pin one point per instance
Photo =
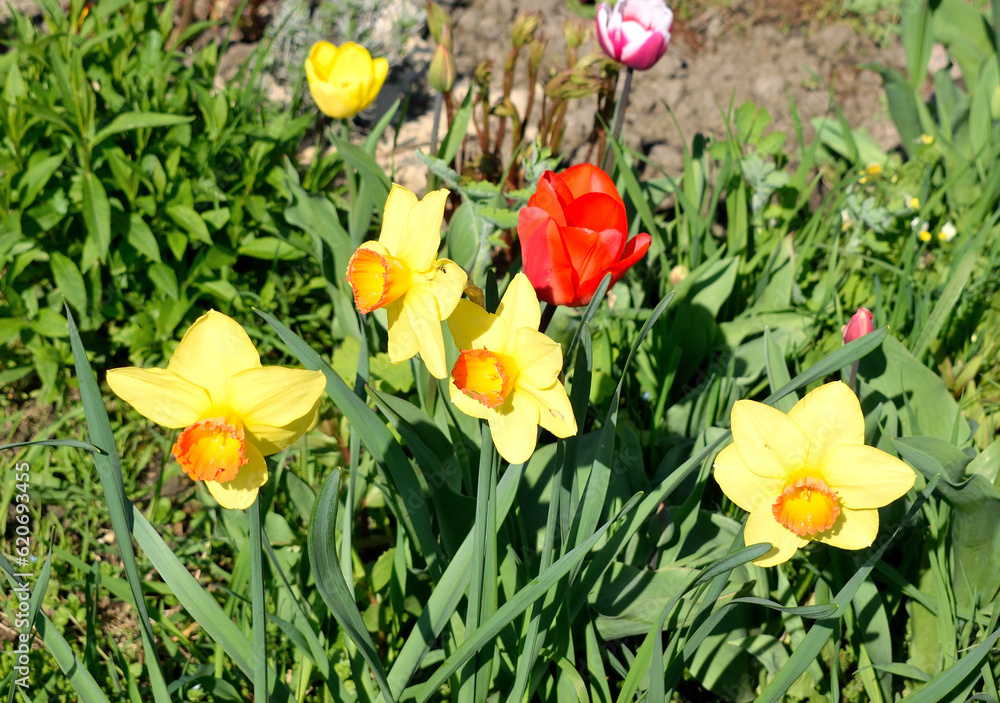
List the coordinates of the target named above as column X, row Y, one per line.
column 439, row 23
column 678, row 273
column 344, row 80
column 861, row 323
column 636, row 32
column 442, row 72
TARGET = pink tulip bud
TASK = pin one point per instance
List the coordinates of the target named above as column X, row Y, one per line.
column 861, row 323
column 636, row 32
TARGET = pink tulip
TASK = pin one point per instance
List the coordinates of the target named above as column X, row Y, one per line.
column 862, row 322
column 636, row 32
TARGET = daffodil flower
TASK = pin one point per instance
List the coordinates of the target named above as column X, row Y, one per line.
column 808, row 475
column 401, row 272
column 508, row 372
column 234, row 411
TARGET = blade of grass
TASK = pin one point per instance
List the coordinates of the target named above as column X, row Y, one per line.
column 259, row 616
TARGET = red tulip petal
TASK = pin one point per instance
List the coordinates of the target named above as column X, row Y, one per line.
column 544, row 259
column 634, row 250
column 551, row 195
column 587, row 178
column 598, row 212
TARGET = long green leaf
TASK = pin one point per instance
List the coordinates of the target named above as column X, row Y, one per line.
column 330, row 582
column 138, row 120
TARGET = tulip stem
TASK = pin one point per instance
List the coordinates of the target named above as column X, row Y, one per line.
column 436, row 124
column 547, row 314
column 619, row 117
column 257, row 603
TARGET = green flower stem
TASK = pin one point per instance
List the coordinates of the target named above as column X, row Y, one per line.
column 257, row 600
column 436, row 124
column 619, row 116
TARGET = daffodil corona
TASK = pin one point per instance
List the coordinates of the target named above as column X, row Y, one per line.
column 234, row 411
column 808, row 475
column 401, row 273
column 508, row 372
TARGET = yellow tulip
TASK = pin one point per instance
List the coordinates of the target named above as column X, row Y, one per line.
column 234, row 411
column 401, row 272
column 508, row 372
column 344, row 80
column 808, row 475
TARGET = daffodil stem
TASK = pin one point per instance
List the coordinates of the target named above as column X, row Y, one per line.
column 619, row 117
column 257, row 603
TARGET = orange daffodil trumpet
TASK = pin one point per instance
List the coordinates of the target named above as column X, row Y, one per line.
column 401, row 272
column 508, row 372
column 234, row 411
column 808, row 475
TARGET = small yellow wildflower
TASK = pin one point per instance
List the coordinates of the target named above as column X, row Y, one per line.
column 925, row 235
column 808, row 475
column 874, row 168
column 914, row 203
column 926, row 139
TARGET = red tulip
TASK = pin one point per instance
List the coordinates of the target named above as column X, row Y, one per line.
column 861, row 323
column 573, row 232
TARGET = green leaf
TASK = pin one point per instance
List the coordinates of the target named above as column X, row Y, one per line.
column 69, row 281
column 165, row 280
column 141, row 237
column 138, row 120
column 270, row 249
column 322, row 545
column 956, row 676
column 97, row 213
column 188, row 219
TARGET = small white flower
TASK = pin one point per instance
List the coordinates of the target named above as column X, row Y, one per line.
column 948, row 232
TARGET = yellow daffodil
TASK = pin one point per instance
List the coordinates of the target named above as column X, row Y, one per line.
column 344, row 80
column 508, row 372
column 808, row 475
column 401, row 272
column 234, row 411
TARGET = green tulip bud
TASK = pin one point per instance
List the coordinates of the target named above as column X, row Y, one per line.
column 442, row 72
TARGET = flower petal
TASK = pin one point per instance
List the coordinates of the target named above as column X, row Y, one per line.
column 830, row 416
column 445, row 282
column 213, row 350
column 544, row 258
column 514, row 427
column 394, row 218
column 768, row 441
column 276, row 404
column 555, row 412
column 866, row 477
column 586, row 178
column 424, row 322
column 539, row 359
column 423, row 232
column 739, row 483
column 854, row 529
column 160, row 395
column 469, row 406
column 599, row 211
column 518, row 308
column 474, row 328
column 241, row 492
column 762, row 527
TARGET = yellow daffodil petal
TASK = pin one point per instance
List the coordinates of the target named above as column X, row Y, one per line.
column 395, row 217
column 423, row 232
column 445, row 281
column 769, row 443
column 415, row 326
column 467, row 405
column 539, row 359
column 762, row 527
column 518, row 308
column 212, row 351
column 161, row 395
column 866, row 477
column 739, row 483
column 241, row 492
column 829, row 416
column 854, row 529
column 514, row 427
column 474, row 328
column 277, row 404
column 555, row 412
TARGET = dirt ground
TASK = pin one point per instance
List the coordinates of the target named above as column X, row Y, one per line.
column 767, row 52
